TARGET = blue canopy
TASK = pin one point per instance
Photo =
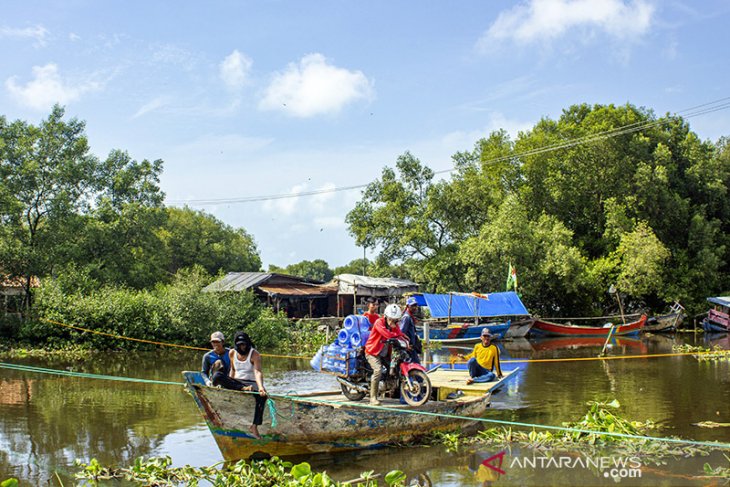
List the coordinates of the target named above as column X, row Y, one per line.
column 468, row 306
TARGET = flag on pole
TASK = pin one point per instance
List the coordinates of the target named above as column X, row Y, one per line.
column 511, row 278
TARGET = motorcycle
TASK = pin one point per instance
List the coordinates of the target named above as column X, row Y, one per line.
column 403, row 375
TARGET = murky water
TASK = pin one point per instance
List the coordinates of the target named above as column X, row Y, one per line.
column 48, row 421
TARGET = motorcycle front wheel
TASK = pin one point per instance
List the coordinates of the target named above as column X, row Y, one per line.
column 420, row 391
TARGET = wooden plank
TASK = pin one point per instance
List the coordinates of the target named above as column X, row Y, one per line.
column 446, row 381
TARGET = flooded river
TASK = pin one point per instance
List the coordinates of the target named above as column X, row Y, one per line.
column 46, row 422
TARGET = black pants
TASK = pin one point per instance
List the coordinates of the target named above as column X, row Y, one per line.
column 228, row 382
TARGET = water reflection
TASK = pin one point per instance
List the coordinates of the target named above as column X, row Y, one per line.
column 49, row 421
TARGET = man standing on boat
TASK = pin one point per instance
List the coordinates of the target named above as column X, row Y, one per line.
column 483, row 361
column 375, row 349
column 372, row 312
column 408, row 327
column 216, row 363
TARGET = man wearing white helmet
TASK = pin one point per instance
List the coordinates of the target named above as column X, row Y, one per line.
column 384, row 329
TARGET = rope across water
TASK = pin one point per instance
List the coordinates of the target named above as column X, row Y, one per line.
column 272, row 407
column 511, row 361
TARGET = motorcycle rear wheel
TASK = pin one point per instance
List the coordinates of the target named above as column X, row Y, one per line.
column 421, row 388
column 352, row 394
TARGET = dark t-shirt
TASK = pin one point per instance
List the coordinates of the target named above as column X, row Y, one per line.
column 210, row 358
column 408, row 327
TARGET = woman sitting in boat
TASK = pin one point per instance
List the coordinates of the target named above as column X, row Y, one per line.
column 246, row 375
column 375, row 349
column 483, row 361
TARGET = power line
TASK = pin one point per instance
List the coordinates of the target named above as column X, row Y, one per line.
column 698, row 110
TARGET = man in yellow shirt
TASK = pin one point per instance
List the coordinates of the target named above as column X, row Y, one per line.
column 483, row 362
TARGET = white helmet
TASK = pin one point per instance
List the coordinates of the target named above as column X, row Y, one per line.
column 393, row 311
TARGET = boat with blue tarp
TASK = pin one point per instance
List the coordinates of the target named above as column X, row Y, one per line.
column 473, row 313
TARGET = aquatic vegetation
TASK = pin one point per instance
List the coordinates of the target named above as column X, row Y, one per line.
column 159, row 471
column 704, row 354
column 70, row 352
column 600, row 417
column 723, row 472
column 450, row 440
column 9, row 483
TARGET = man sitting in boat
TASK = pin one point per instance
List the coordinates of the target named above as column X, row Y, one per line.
column 483, row 361
column 375, row 349
column 408, row 327
column 246, row 375
column 372, row 313
column 216, row 363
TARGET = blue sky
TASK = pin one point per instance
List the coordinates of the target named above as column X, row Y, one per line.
column 244, row 98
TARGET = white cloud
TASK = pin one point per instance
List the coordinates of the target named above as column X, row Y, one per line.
column 151, row 106
column 319, row 201
column 234, row 69
column 38, row 33
column 285, row 206
column 314, row 87
column 74, row 37
column 47, row 87
column 465, row 139
column 545, row 20
column 173, row 55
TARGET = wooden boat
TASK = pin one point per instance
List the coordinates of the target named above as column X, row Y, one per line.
column 547, row 328
column 464, row 332
column 519, row 329
column 718, row 318
column 327, row 421
column 666, row 323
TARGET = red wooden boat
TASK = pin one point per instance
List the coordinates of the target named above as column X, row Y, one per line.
column 547, row 328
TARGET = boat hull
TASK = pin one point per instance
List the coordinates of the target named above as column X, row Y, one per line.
column 711, row 327
column 664, row 323
column 519, row 329
column 547, row 328
column 320, row 422
column 466, row 332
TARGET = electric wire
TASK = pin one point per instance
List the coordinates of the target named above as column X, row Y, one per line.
column 698, row 110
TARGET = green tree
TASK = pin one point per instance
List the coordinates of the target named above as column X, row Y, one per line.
column 195, row 237
column 355, row 266
column 47, row 171
column 317, row 270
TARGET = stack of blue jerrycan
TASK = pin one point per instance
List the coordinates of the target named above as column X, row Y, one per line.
column 340, row 357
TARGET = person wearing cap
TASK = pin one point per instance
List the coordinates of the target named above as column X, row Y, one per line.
column 408, row 327
column 246, row 375
column 372, row 313
column 216, row 363
column 483, row 361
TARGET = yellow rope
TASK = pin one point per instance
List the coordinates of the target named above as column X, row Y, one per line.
column 164, row 344
column 515, row 361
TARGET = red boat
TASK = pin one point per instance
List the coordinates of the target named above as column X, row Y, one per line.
column 547, row 328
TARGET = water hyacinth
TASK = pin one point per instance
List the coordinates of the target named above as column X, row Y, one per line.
column 158, row 471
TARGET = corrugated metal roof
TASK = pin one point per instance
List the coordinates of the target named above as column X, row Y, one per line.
column 302, row 289
column 721, row 300
column 238, row 281
column 347, row 283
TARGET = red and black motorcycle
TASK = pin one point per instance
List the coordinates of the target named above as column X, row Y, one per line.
column 403, row 376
